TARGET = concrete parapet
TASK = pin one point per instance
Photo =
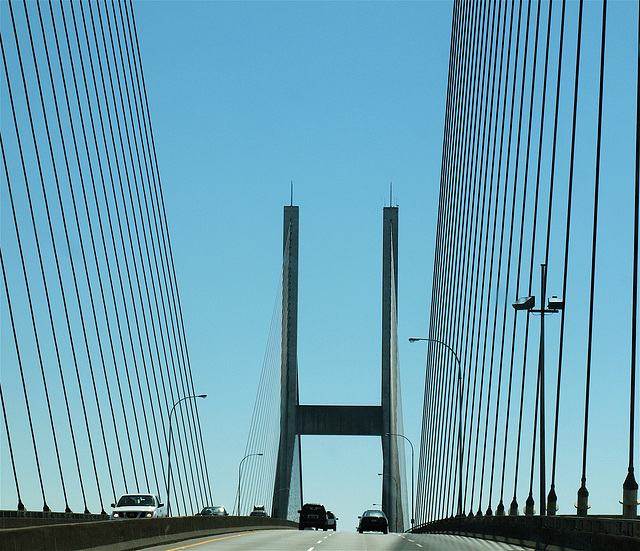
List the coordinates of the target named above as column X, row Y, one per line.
column 555, row 533
column 126, row 535
column 29, row 519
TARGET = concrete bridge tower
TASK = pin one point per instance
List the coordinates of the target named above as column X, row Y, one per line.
column 297, row 419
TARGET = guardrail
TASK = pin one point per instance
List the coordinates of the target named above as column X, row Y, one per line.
column 559, row 533
column 24, row 519
column 73, row 534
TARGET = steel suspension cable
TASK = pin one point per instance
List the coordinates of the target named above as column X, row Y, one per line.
column 427, row 431
column 566, row 245
column 45, row 507
column 114, row 123
column 20, row 506
column 540, row 371
column 109, row 270
column 582, row 492
column 473, row 243
column 31, row 209
column 125, row 139
column 140, row 230
column 520, row 253
column 169, row 256
column 39, row 250
column 485, row 210
column 99, row 271
column 124, row 231
column 541, row 375
column 630, row 482
column 493, row 239
column 469, row 122
column 442, row 234
column 149, row 245
column 511, row 234
column 149, row 200
column 460, row 204
column 501, row 247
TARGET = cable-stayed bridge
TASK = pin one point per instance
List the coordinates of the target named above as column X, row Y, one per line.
column 97, row 388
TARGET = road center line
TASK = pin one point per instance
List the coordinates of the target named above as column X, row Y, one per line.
column 209, row 541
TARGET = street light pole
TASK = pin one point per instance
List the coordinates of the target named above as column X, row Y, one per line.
column 395, row 516
column 543, row 468
column 547, row 505
column 412, row 471
column 169, row 443
column 460, row 450
column 240, row 474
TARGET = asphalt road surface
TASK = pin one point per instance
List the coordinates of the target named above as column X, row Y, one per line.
column 311, row 540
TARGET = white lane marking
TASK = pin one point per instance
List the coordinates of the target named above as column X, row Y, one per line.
column 310, row 549
column 418, row 545
column 319, row 541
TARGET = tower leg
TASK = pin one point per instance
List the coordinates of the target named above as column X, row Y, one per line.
column 289, row 370
column 391, row 483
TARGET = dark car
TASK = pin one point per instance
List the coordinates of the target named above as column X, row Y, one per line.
column 313, row 515
column 258, row 511
column 331, row 523
column 216, row 510
column 373, row 521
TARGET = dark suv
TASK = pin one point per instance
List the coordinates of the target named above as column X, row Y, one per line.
column 313, row 515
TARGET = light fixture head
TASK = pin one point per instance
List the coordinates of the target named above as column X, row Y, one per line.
column 555, row 303
column 524, row 303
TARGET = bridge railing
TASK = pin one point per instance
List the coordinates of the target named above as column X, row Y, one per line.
column 74, row 535
column 22, row 519
column 592, row 533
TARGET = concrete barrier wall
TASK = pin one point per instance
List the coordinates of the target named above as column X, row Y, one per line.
column 29, row 519
column 126, row 535
column 553, row 533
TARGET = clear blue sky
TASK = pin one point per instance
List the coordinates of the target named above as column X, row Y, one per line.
column 341, row 99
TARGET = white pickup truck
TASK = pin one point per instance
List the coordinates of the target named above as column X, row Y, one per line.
column 138, row 506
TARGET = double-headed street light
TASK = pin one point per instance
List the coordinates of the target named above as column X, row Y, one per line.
column 169, row 442
column 240, row 475
column 412, row 470
column 554, row 305
column 460, row 451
